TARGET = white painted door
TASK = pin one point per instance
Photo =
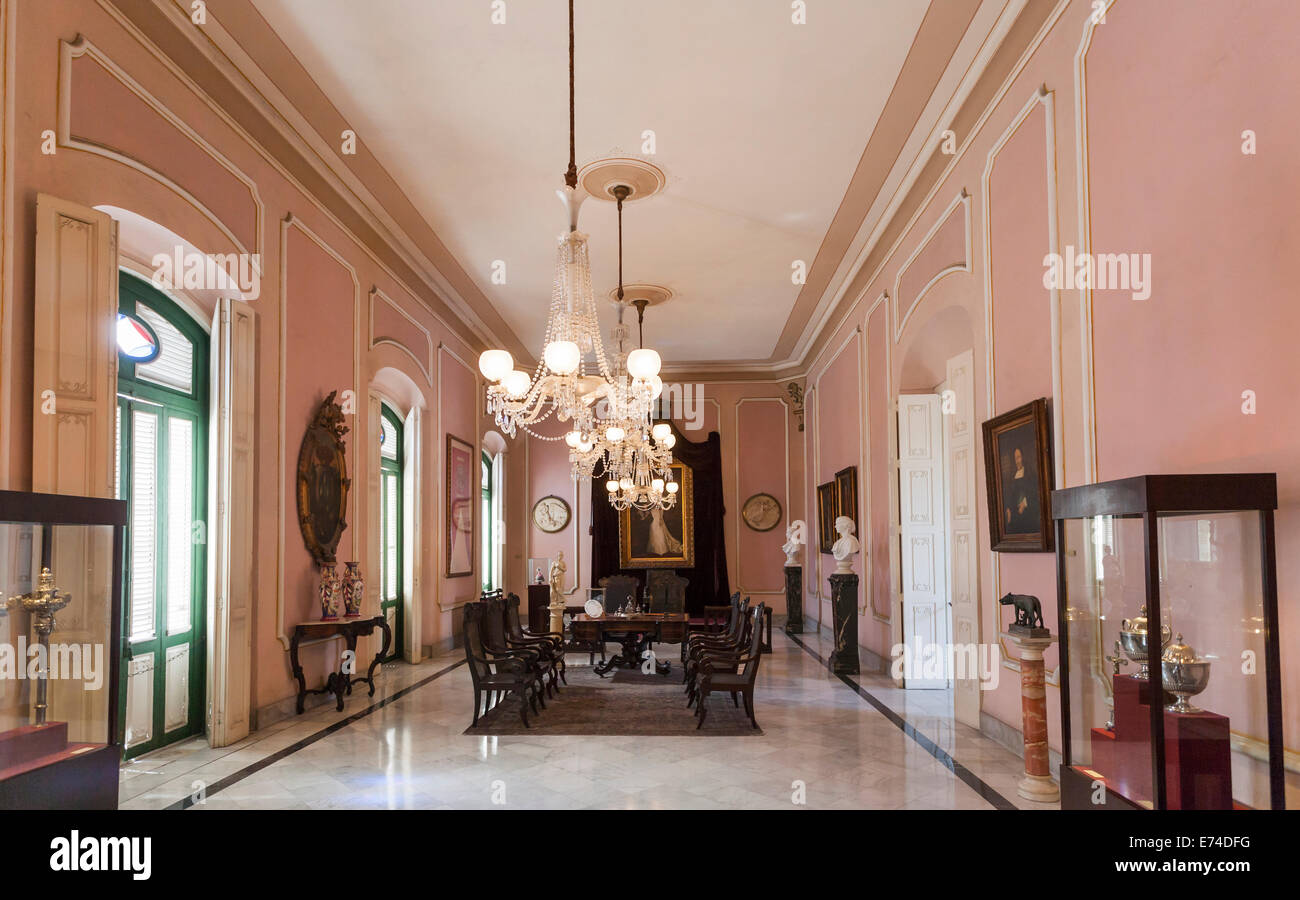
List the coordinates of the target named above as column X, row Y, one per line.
column 963, row 572
column 922, row 528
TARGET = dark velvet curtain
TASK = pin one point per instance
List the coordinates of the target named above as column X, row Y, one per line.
column 708, row 580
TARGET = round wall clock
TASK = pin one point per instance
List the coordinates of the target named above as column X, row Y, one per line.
column 761, row 512
column 551, row 514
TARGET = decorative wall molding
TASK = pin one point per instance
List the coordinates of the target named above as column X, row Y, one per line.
column 425, row 364
column 362, row 453
column 961, row 200
column 785, row 499
column 1042, row 96
column 82, row 47
column 886, row 614
column 8, row 56
column 446, row 351
column 1089, row 399
column 179, row 74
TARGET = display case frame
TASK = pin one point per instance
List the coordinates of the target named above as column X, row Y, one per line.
column 1152, row 497
column 89, row 780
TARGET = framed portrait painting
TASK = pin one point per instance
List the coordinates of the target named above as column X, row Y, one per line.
column 660, row 538
column 827, row 511
column 846, row 496
column 461, row 483
column 1018, row 472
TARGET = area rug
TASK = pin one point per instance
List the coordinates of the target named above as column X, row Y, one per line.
column 632, row 705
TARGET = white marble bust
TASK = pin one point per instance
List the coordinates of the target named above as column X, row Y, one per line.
column 846, row 547
column 791, row 545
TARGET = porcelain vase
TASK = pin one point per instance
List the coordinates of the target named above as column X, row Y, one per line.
column 354, row 587
column 329, row 592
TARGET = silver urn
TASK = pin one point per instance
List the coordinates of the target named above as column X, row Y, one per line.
column 1185, row 675
column 1133, row 638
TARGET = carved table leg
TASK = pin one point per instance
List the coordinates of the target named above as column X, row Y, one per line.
column 297, row 669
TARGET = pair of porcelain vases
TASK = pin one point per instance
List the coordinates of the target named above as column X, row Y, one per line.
column 344, row 593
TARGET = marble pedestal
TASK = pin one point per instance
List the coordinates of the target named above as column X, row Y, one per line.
column 844, row 610
column 1037, row 783
column 794, row 599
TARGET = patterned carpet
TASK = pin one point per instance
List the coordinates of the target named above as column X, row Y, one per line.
column 624, row 703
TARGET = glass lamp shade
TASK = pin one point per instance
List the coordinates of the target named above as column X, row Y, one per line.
column 669, row 442
column 562, row 357
column 495, row 364
column 573, row 438
column 661, row 431
column 657, row 485
column 614, row 434
column 626, row 484
column 517, row 383
column 656, row 387
column 643, row 363
column 611, row 486
column 672, row 487
column 585, row 446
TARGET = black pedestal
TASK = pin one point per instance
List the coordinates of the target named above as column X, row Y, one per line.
column 794, row 599
column 844, row 608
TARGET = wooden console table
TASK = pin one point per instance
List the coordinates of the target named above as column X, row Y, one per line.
column 338, row 683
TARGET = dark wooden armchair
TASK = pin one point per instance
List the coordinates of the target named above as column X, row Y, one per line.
column 494, row 674
column 497, row 641
column 550, row 644
column 729, row 640
column 734, row 674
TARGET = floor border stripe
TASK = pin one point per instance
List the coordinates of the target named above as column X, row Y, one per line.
column 969, row 778
column 252, row 768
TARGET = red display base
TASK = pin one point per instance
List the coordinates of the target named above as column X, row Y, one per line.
column 1198, row 767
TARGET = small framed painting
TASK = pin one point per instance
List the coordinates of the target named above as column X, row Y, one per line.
column 1018, row 472
column 827, row 511
column 461, row 469
column 846, row 495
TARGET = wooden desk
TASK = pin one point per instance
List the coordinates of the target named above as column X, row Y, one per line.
column 635, row 633
column 338, row 683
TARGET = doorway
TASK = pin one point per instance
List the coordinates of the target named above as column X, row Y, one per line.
column 161, row 471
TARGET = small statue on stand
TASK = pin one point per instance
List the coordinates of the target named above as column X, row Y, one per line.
column 556, row 606
column 847, row 546
column 1029, row 614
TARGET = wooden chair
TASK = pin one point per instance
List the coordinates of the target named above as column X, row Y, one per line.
column 667, row 591
column 494, row 674
column 731, row 673
column 496, row 640
column 730, row 640
column 550, row 644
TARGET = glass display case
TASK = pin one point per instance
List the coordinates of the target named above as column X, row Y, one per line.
column 60, row 605
column 1170, row 668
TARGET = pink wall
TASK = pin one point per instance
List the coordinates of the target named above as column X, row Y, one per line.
column 755, row 424
column 1167, row 101
column 315, row 310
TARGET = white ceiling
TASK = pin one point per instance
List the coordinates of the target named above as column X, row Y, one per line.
column 759, row 125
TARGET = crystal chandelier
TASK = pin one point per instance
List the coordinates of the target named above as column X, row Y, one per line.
column 564, row 384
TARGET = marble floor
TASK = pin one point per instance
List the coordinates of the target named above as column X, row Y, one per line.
column 825, row 746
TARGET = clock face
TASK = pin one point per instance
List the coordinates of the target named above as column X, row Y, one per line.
column 551, row 514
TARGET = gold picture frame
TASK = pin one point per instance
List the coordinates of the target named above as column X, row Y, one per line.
column 827, row 511
column 661, row 539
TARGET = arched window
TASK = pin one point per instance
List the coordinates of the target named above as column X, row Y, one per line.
column 390, row 524
column 162, row 454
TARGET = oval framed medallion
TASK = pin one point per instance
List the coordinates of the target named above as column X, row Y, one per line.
column 551, row 514
column 761, row 512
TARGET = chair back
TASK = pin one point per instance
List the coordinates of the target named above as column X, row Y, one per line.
column 737, row 621
column 494, row 630
column 755, row 643
column 472, row 634
column 718, row 619
column 619, row 589
column 667, row 591
column 514, row 627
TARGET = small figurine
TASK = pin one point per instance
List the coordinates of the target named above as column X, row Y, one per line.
column 538, row 577
column 846, row 547
column 1029, row 612
column 558, row 568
